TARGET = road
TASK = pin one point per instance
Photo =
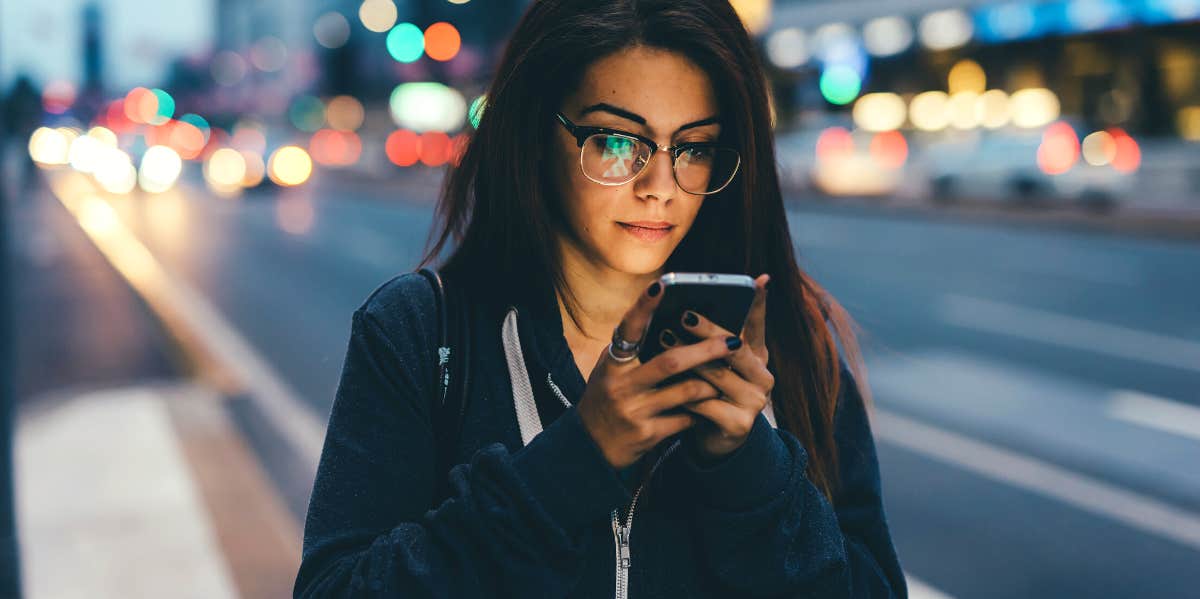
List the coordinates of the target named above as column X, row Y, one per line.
column 1037, row 391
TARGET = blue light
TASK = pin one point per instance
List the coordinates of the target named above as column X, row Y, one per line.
column 1008, row 22
column 1095, row 15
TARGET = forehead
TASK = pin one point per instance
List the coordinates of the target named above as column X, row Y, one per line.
column 663, row 86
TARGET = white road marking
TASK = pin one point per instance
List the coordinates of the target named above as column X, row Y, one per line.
column 193, row 319
column 1127, row 507
column 107, row 506
column 1155, row 412
column 1069, row 331
column 919, row 589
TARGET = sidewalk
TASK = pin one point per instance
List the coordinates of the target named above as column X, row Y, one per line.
column 149, row 492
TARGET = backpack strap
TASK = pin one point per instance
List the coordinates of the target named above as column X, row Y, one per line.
column 449, row 403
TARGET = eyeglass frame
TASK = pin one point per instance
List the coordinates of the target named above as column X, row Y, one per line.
column 581, row 133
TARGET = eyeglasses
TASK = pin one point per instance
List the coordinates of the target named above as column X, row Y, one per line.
column 612, row 157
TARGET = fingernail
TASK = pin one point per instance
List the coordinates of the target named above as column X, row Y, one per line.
column 690, row 318
column 655, row 287
column 668, row 338
column 733, row 342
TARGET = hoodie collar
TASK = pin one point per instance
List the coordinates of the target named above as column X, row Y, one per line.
column 540, row 326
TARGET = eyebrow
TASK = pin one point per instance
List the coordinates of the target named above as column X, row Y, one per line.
column 639, row 119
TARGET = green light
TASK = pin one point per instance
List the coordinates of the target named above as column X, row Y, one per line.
column 307, row 113
column 406, row 42
column 840, row 84
column 166, row 107
column 475, row 112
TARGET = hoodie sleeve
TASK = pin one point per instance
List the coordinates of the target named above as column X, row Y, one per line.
column 768, row 531
column 514, row 522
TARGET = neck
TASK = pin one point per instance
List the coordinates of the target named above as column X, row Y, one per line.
column 603, row 295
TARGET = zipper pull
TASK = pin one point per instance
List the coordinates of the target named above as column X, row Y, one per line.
column 623, row 544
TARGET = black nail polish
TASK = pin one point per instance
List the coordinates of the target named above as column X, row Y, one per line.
column 655, row 287
column 668, row 338
column 690, row 318
column 733, row 342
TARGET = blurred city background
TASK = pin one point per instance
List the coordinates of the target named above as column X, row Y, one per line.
column 195, row 196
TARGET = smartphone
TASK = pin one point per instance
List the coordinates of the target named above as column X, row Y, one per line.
column 724, row 299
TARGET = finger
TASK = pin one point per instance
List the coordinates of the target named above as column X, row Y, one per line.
column 750, row 366
column 703, row 327
column 633, row 326
column 730, row 419
column 679, row 359
column 677, row 394
column 735, row 389
column 670, row 424
column 755, row 331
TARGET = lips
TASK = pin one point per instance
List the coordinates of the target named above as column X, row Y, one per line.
column 647, row 233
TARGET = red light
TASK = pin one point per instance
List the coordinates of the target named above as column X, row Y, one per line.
column 335, row 148
column 834, row 143
column 403, row 147
column 435, row 148
column 889, row 149
column 1129, row 156
column 1059, row 149
column 442, row 41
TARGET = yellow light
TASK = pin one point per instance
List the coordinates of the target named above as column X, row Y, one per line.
column 1099, row 148
column 755, row 14
column 115, row 172
column 962, row 110
column 289, row 165
column 256, row 170
column 225, row 170
column 966, row 76
column 84, row 153
column 97, row 217
column 992, row 109
column 1188, row 119
column 104, row 136
column 161, row 167
column 377, row 15
column 880, row 112
column 48, row 147
column 1034, row 107
column 344, row 113
column 929, row 111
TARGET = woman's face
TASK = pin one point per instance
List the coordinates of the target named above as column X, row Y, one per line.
column 655, row 93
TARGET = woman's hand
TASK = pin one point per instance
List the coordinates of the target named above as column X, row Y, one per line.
column 622, row 408
column 745, row 384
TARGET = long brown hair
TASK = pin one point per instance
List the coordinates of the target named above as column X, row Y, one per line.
column 500, row 205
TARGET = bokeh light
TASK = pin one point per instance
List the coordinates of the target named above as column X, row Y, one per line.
column 331, row 30
column 992, row 109
column 929, row 111
column 225, row 170
column 48, row 147
column 160, row 169
column 307, row 113
column 963, row 110
column 787, row 48
column 887, row 36
column 840, row 84
column 889, row 149
column 1099, row 148
column 403, row 147
column 335, row 148
column 228, row 68
column 1128, row 156
column 165, row 109
column 289, row 166
column 58, row 96
column 377, row 15
column 755, row 14
column 435, row 148
column 442, row 41
column 966, row 76
column 115, row 171
column 406, row 42
column 344, row 113
column 1059, row 149
column 1034, row 107
column 268, row 54
column 880, row 112
column 834, row 143
column 141, row 105
column 427, row 106
column 945, row 29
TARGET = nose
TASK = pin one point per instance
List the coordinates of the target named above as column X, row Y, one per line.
column 659, row 179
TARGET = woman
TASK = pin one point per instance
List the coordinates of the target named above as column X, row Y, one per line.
column 577, row 477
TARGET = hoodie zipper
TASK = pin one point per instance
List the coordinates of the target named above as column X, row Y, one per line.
column 621, row 532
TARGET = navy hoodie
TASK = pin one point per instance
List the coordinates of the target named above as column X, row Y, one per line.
column 548, row 518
